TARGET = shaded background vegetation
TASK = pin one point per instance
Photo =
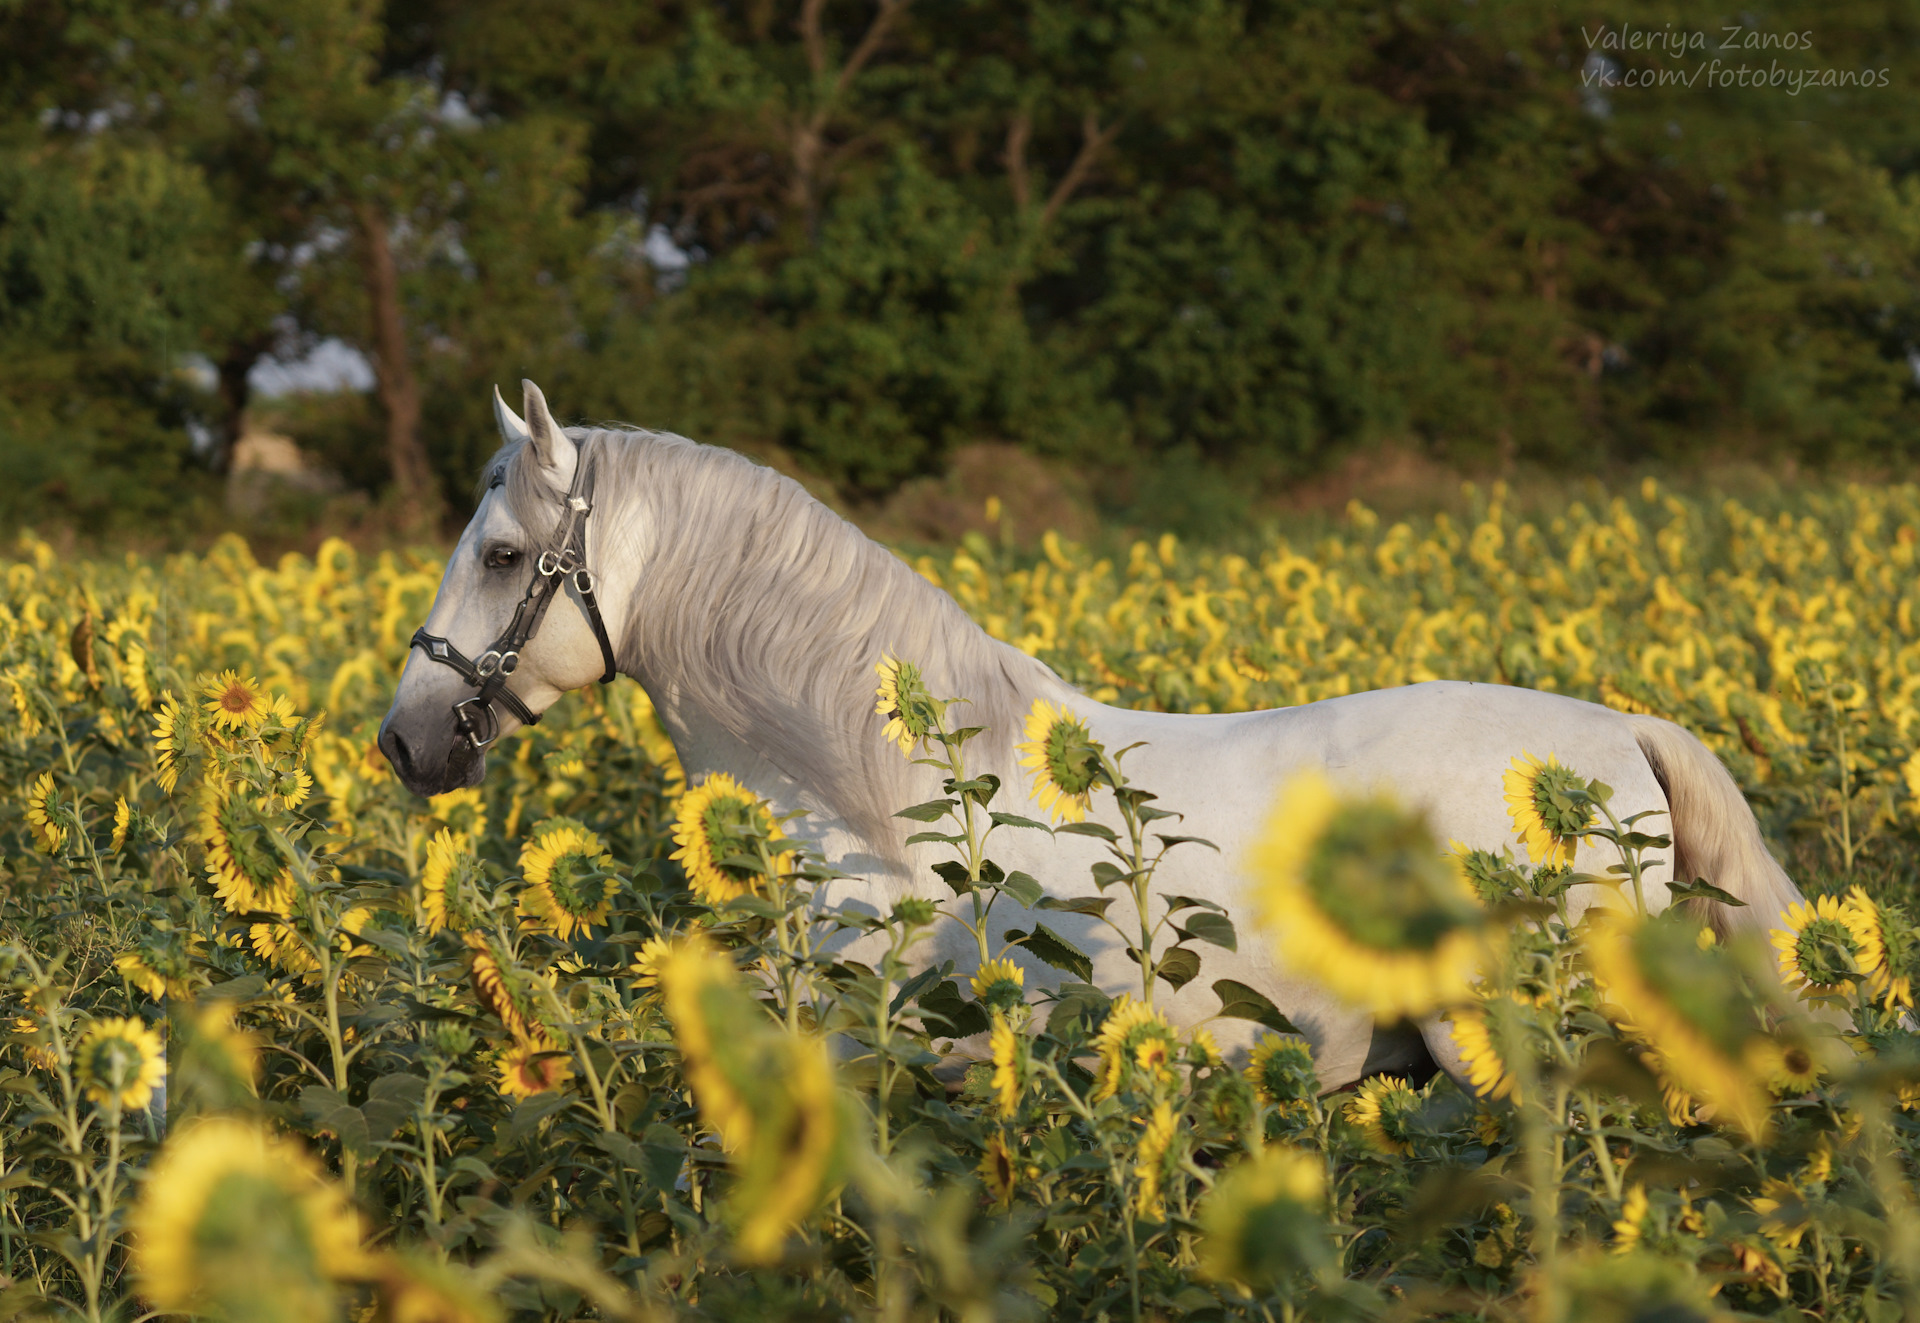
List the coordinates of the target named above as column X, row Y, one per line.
column 1194, row 249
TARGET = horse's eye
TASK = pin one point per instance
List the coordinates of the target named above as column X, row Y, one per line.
column 502, row 558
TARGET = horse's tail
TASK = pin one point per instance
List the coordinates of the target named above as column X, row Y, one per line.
column 1714, row 833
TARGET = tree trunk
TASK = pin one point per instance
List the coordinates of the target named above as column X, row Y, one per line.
column 235, row 393
column 399, row 389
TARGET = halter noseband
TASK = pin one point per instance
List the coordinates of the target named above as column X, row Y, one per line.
column 566, row 558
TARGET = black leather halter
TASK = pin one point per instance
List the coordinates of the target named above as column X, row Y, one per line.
column 565, row 559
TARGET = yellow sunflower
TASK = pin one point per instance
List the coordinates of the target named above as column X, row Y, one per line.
column 1632, row 1221
column 903, row 700
column 1486, row 1070
column 1686, row 1004
column 1202, row 1049
column 122, row 819
column 174, row 742
column 1008, row 1064
column 1264, row 1218
column 570, row 880
column 1359, row 897
column 505, row 991
column 657, row 950
column 526, row 1069
column 48, row 834
column 1895, row 992
column 228, row 1208
column 1546, row 819
column 1280, row 1069
column 718, row 821
column 287, row 789
column 247, row 874
column 997, row 1170
column 465, row 811
column 1789, row 1067
column 157, row 970
column 1381, row 1111
column 119, row 1061
column 693, row 978
column 1065, row 762
column 1827, row 945
column 234, row 703
column 1784, row 1216
column 998, row 983
column 1150, row 1165
column 138, row 680
column 1135, row 1041
column 450, row 884
column 39, row 1056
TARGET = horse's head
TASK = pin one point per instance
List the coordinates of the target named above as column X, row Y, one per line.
column 500, row 645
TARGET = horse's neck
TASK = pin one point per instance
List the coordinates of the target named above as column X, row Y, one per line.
column 756, row 637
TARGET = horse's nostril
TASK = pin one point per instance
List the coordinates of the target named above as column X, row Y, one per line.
column 396, row 750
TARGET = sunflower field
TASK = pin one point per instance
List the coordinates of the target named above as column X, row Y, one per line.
column 282, row 1042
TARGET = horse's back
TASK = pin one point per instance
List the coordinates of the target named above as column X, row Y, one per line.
column 1443, row 747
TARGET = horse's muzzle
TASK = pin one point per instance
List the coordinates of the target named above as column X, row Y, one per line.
column 425, row 774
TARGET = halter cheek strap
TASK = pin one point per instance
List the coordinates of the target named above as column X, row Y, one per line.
column 564, row 560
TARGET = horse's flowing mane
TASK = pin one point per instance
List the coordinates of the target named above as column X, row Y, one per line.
column 763, row 608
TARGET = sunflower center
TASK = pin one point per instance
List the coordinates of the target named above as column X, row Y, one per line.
column 1287, row 1074
column 732, row 833
column 242, row 830
column 1071, row 762
column 908, row 692
column 578, row 886
column 115, row 1062
column 1561, row 814
column 1825, row 952
column 1375, row 873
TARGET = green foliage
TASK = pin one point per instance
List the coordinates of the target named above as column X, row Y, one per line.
column 1154, row 237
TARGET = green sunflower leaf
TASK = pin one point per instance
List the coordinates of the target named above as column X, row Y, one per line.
column 954, row 874
column 1170, row 841
column 1178, row 967
column 1177, row 903
column 1053, row 949
column 931, row 811
column 1024, row 889
column 1240, row 1002
column 1015, row 820
column 1099, row 829
column 1701, row 889
column 1207, row 926
column 945, row 838
column 1096, row 906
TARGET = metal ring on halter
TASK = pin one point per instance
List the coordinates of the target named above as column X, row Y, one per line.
column 466, row 722
column 583, row 579
column 558, row 562
column 487, row 663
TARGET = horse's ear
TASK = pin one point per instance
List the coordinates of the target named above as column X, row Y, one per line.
column 551, row 445
column 512, row 426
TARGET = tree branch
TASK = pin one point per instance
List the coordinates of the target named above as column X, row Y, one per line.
column 1093, row 140
column 869, row 44
column 1015, row 159
column 810, row 37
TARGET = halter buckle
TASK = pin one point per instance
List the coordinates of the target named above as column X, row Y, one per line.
column 563, row 561
column 493, row 660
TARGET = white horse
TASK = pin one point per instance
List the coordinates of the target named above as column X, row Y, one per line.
column 754, row 617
